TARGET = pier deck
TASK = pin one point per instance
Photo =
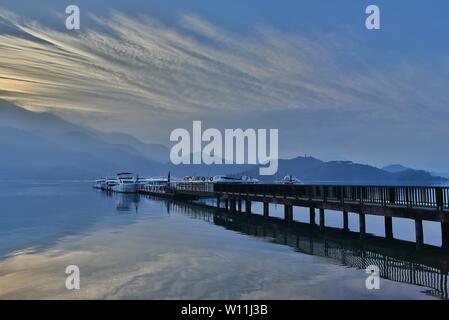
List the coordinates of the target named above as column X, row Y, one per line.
column 419, row 203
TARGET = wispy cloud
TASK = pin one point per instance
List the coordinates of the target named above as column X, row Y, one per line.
column 134, row 65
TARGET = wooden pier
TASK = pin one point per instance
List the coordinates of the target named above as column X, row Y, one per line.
column 419, row 203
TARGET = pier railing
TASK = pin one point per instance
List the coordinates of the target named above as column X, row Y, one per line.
column 203, row 187
column 403, row 196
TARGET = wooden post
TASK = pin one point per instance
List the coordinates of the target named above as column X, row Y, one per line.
column 345, row 221
column 322, row 223
column 218, row 202
column 248, row 206
column 226, row 204
column 266, row 209
column 233, row 205
column 362, row 224
column 389, row 228
column 239, row 205
column 419, row 234
column 287, row 212
column 312, row 216
column 445, row 235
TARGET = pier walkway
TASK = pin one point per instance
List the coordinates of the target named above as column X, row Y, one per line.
column 419, row 203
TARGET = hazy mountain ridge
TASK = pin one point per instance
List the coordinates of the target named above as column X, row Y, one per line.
column 395, row 168
column 310, row 169
column 44, row 146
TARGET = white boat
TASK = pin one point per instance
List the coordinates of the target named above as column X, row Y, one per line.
column 126, row 183
column 289, row 179
column 109, row 184
column 99, row 183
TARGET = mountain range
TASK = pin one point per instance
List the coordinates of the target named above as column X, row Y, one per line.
column 312, row 170
column 41, row 145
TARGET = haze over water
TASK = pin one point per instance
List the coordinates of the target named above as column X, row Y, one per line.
column 136, row 247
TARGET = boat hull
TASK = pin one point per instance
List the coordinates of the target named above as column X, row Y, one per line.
column 125, row 188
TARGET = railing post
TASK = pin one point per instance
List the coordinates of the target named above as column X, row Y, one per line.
column 439, row 198
column 342, row 194
column 407, row 197
column 392, row 195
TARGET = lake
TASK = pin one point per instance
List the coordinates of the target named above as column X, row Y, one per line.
column 136, row 247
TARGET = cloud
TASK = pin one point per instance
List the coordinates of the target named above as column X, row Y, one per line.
column 137, row 74
column 128, row 62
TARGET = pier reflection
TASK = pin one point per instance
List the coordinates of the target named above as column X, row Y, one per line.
column 125, row 203
column 397, row 260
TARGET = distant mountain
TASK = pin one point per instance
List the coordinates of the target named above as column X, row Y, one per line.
column 312, row 170
column 51, row 126
column 441, row 174
column 42, row 145
column 395, row 168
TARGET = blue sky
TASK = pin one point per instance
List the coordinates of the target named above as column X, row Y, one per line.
column 309, row 68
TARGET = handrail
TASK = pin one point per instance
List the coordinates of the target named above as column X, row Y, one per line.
column 435, row 197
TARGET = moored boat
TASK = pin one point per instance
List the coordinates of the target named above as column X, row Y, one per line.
column 126, row 183
column 99, row 183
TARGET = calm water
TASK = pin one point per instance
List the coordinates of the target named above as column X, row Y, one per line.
column 134, row 247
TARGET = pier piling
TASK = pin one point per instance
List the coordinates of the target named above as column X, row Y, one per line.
column 345, row 221
column 312, row 216
column 419, row 234
column 322, row 223
column 445, row 235
column 233, row 205
column 266, row 209
column 388, row 227
column 288, row 213
column 248, row 206
column 362, row 224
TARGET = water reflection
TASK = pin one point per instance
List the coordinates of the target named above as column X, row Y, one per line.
column 125, row 203
column 397, row 260
column 190, row 253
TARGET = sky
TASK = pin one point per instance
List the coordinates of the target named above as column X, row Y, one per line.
column 311, row 69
